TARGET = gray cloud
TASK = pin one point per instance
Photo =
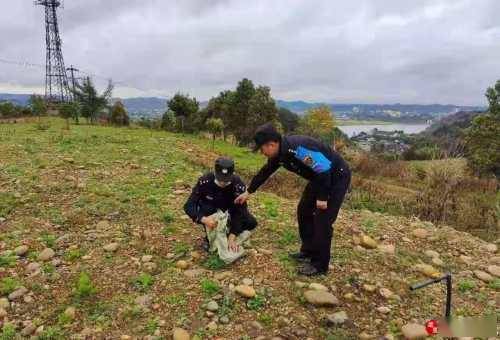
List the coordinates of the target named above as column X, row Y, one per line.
column 444, row 51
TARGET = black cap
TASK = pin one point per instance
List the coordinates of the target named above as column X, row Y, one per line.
column 224, row 169
column 265, row 133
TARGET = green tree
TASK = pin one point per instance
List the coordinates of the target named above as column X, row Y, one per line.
column 119, row 115
column 69, row 110
column 168, row 121
column 183, row 107
column 318, row 122
column 215, row 126
column 38, row 105
column 220, row 107
column 482, row 138
column 91, row 103
column 249, row 108
column 288, row 119
column 7, row 110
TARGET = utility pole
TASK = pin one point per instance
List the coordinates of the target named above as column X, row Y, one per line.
column 56, row 80
column 72, row 70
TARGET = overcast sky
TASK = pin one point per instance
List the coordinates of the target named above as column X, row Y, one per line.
column 362, row 51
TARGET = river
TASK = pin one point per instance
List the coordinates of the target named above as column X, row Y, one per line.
column 352, row 130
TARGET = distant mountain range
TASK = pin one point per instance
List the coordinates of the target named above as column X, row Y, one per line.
column 154, row 107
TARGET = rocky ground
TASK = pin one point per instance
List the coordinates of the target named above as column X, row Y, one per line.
column 94, row 245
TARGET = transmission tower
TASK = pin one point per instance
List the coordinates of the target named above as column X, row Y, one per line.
column 56, row 80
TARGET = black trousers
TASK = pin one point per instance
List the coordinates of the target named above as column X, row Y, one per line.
column 315, row 225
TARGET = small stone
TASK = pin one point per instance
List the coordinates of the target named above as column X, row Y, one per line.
column 21, row 250
column 318, row 286
column 427, row 270
column 4, row 303
column 247, row 282
column 431, row 253
column 146, row 258
column 368, row 242
column 102, row 225
column 466, row 259
column 494, row 270
column 181, row 264
column 365, row 336
column 222, row 276
column 3, row 313
column 406, row 239
column 224, row 320
column 336, row 319
column 195, row 255
column 369, row 288
column 28, row 299
column 19, row 292
column 144, row 301
column 495, row 259
column 180, row 334
column 150, row 267
column 437, row 261
column 300, row 284
column 170, row 256
column 386, row 293
column 483, row 276
column 256, row 325
column 70, row 312
column 33, row 267
column 212, row 306
column 414, row 331
column 349, row 296
column 320, row 298
column 420, row 233
column 46, row 254
column 491, row 247
column 28, row 330
column 125, row 337
column 387, row 248
column 384, row 309
column 111, row 247
column 194, row 273
column 245, row 291
column 266, row 251
column 212, row 326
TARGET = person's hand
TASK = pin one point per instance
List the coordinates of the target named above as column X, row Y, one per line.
column 321, row 204
column 209, row 222
column 231, row 243
column 241, row 199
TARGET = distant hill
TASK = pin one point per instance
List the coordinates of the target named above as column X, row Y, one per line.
column 155, row 107
column 452, row 126
column 389, row 112
column 18, row 99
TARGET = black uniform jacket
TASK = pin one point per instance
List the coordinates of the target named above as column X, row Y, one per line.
column 206, row 197
column 310, row 159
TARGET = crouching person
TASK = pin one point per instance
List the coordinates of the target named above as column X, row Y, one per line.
column 211, row 204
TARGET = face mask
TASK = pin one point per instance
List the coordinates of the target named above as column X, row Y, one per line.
column 222, row 184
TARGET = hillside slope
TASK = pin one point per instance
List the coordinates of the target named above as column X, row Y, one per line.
column 107, row 202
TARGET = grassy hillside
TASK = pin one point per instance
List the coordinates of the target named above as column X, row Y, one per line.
column 108, row 202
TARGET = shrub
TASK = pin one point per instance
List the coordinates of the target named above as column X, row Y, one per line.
column 84, row 286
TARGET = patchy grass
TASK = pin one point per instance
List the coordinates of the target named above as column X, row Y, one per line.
column 209, row 287
column 8, row 285
column 143, row 282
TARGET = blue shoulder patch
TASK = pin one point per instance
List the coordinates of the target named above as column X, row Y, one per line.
column 313, row 159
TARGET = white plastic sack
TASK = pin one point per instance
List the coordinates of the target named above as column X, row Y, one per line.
column 217, row 239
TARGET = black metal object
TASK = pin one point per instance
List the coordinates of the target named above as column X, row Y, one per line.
column 446, row 277
column 56, row 80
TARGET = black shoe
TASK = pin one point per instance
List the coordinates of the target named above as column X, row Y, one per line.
column 300, row 257
column 309, row 270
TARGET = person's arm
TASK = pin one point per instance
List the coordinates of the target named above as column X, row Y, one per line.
column 191, row 207
column 264, row 173
column 322, row 183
